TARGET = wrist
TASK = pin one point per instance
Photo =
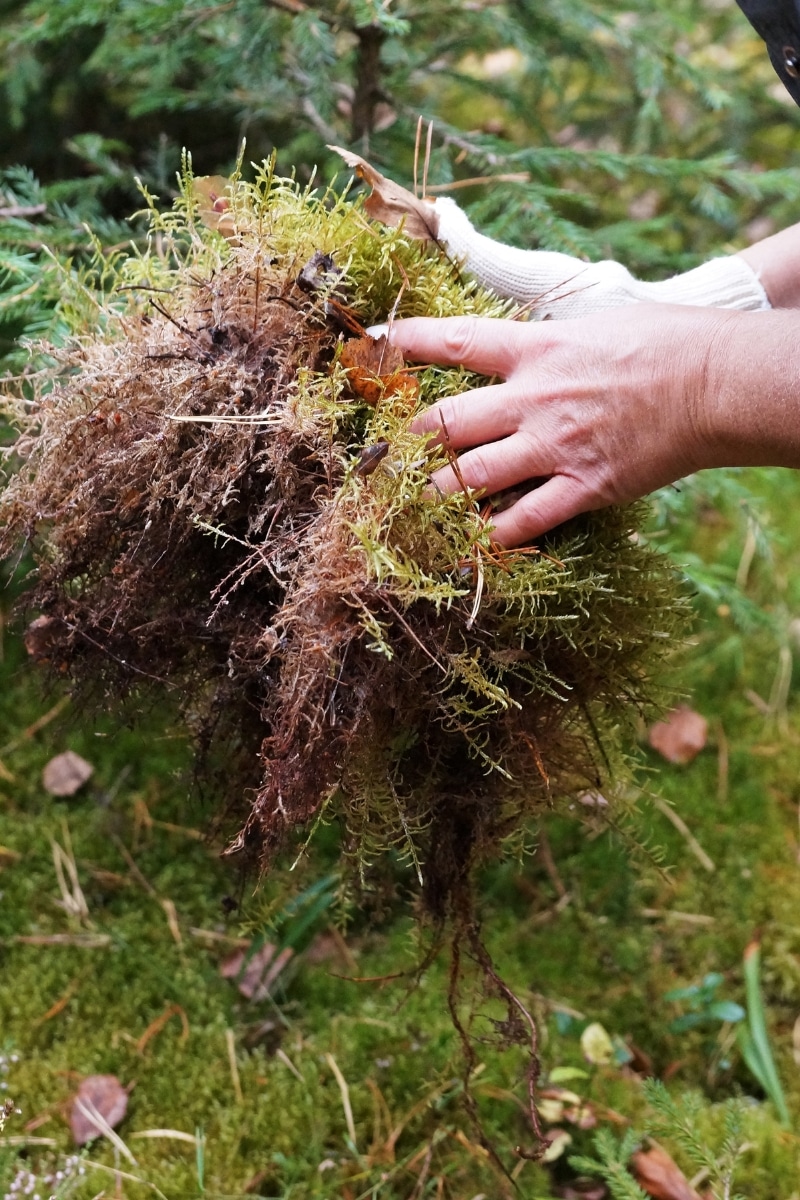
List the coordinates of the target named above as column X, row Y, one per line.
column 747, row 408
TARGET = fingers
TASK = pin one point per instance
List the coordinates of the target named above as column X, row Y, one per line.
column 540, row 510
column 495, row 466
column 485, row 345
column 470, row 418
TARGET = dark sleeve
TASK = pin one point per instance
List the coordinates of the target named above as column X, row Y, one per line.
column 778, row 23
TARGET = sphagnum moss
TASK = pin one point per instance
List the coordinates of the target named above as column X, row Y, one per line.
column 191, row 477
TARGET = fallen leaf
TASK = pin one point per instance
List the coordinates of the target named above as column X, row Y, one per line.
column 680, row 736
column 557, row 1142
column 320, row 274
column 370, row 458
column 375, row 370
column 106, row 1095
column 254, row 974
column 596, row 1045
column 660, row 1176
column 390, row 203
column 66, row 774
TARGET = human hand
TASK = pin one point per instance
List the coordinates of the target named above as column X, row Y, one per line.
column 602, row 410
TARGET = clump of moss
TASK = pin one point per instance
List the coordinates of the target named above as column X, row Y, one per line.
column 217, row 513
column 222, row 511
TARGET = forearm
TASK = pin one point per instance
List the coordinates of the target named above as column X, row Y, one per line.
column 748, row 411
column 776, row 262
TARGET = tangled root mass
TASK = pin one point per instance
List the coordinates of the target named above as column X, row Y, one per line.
column 221, row 512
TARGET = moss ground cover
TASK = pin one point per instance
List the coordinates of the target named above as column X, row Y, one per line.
column 581, row 931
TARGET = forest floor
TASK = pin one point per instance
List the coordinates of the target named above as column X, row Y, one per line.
column 336, row 1077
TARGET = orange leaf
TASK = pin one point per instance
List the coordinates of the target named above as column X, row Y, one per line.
column 390, row 204
column 375, row 370
column 660, row 1176
column 680, row 736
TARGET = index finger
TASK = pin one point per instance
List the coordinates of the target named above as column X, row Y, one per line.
column 488, row 345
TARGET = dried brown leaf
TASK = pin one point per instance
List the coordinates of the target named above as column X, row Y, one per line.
column 255, row 978
column 104, row 1093
column 660, row 1176
column 375, row 370
column 66, row 774
column 680, row 736
column 390, row 203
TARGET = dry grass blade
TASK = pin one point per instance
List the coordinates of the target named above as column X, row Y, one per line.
column 73, row 900
column 344, row 1091
column 93, row 1114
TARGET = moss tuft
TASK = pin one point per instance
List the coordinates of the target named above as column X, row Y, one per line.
column 226, row 505
column 191, row 478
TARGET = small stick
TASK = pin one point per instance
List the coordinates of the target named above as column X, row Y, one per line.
column 428, row 144
column 722, row 764
column 237, row 1086
column 37, row 725
column 682, row 828
column 345, row 1094
column 416, row 155
column 478, row 180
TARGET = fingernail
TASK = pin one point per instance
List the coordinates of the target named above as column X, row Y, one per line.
column 378, row 331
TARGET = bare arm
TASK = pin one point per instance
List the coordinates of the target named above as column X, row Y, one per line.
column 776, row 263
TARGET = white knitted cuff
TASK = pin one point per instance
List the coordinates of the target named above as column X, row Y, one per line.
column 727, row 282
column 556, row 285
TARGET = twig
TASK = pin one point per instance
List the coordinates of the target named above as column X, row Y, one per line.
column 545, row 852
column 682, row 828
column 37, row 725
column 23, row 210
column 283, row 1057
column 345, row 1094
column 723, row 763
column 237, row 1086
column 479, row 180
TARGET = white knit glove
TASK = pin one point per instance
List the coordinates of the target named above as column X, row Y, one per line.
column 556, row 285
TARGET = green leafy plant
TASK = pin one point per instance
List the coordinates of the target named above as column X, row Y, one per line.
column 704, row 1006
column 754, row 1037
column 611, row 1163
column 712, row 1144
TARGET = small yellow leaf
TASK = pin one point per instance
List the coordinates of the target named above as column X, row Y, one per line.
column 550, row 1110
column 596, row 1045
column 557, row 1144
